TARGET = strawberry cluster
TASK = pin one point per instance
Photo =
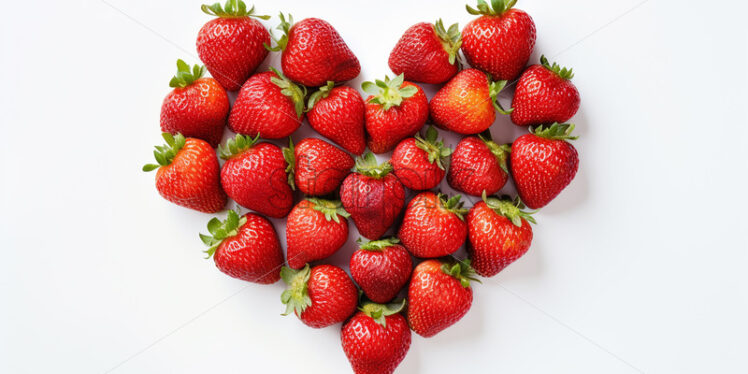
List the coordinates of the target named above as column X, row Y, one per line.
column 261, row 176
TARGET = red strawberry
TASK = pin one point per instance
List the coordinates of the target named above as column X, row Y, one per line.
column 269, row 105
column 246, row 248
column 320, row 297
column 373, row 196
column 427, row 53
column 478, row 165
column 188, row 174
column 254, row 175
column 395, row 110
column 231, row 46
column 544, row 95
column 466, row 103
column 381, row 268
column 432, row 226
column 439, row 295
column 500, row 41
column 315, row 231
column 316, row 167
column 418, row 162
column 543, row 163
column 337, row 113
column 314, row 53
column 196, row 107
column 376, row 339
column 499, row 233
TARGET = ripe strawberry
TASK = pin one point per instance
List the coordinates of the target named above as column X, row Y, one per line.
column 395, row 110
column 254, row 175
column 246, row 248
column 376, row 339
column 418, row 162
column 231, row 46
column 478, row 165
column 500, row 41
column 188, row 174
column 499, row 233
column 316, row 167
column 320, row 297
column 315, row 231
column 466, row 103
column 381, row 268
column 432, row 226
column 543, row 163
column 427, row 53
column 439, row 295
column 544, row 95
column 314, row 53
column 373, row 196
column 337, row 113
column 269, row 105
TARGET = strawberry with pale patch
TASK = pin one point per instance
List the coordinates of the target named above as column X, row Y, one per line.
column 544, row 95
column 316, row 167
column 427, row 53
column 419, row 162
column 315, row 229
column 433, row 226
column 479, row 165
column 381, row 268
column 337, row 113
column 320, row 296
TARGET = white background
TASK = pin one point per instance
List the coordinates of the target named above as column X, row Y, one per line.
column 639, row 266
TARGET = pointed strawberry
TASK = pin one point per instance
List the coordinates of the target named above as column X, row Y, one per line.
column 337, row 113
column 479, row 165
column 381, row 268
column 433, row 226
column 316, row 167
column 315, row 229
column 419, row 162
column 321, row 296
column 427, row 53
column 544, row 95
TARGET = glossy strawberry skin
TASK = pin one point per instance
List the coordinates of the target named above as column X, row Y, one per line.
column 474, row 169
column 232, row 49
column 340, row 118
column 372, row 348
column 411, row 165
column 381, row 274
column 420, row 55
column 261, row 108
column 334, row 297
column 386, row 128
column 428, row 230
column 499, row 45
column 198, row 111
column 254, row 254
column 542, row 168
column 373, row 203
column 192, row 179
column 543, row 97
column 256, row 179
column 316, row 53
column 495, row 242
column 320, row 167
column 436, row 300
column 310, row 236
column 464, row 104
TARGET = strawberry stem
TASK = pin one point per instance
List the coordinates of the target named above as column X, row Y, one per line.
column 285, row 27
column 453, row 204
column 320, row 94
column 389, row 93
column 377, row 245
column 295, row 92
column 296, row 296
column 513, row 210
column 232, row 9
column 367, row 165
column 497, row 7
column 166, row 153
column 436, row 150
column 237, row 145
column 330, row 208
column 185, row 76
column 451, row 40
column 562, row 72
column 556, row 131
column 289, row 154
column 460, row 270
column 221, row 230
column 379, row 312
column 494, row 88
column 501, row 152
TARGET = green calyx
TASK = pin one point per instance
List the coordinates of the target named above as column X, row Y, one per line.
column 293, row 91
column 436, row 150
column 285, row 27
column 497, row 7
column 185, row 76
column 562, row 72
column 320, row 94
column 379, row 312
column 367, row 165
column 451, row 39
column 232, row 9
column 460, row 270
column 377, row 245
column 513, row 210
column 388, row 93
column 501, row 152
column 296, row 296
column 289, row 154
column 165, row 154
column 237, row 145
column 332, row 209
column 221, row 230
column 453, row 204
column 556, row 131
column 494, row 88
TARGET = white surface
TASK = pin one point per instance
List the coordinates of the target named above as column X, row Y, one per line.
column 638, row 266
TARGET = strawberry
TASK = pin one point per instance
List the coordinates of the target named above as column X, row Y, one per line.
column 245, row 247
column 499, row 233
column 543, row 163
column 337, row 113
column 439, row 295
column 196, row 107
column 254, row 175
column 188, row 173
column 231, row 46
column 478, row 165
column 419, row 162
column 321, row 296
column 427, row 53
column 269, row 105
column 376, row 339
column 395, row 110
column 381, row 268
column 544, row 95
column 316, row 167
column 314, row 53
column 466, row 103
column 500, row 41
column 373, row 196
column 315, row 231
column 432, row 226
